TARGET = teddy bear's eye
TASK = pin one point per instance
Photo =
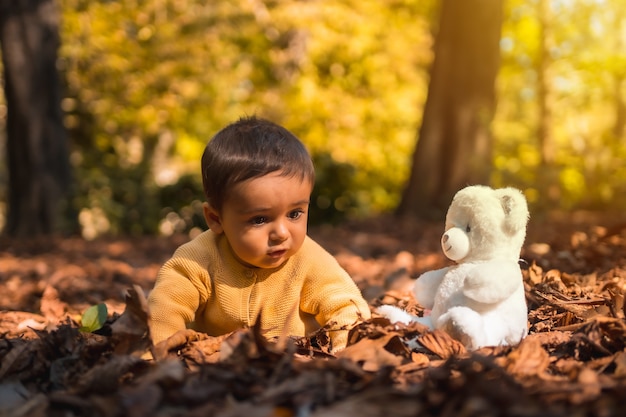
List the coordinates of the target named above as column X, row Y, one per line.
column 468, row 229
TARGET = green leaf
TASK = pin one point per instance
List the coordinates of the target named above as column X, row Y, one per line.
column 93, row 318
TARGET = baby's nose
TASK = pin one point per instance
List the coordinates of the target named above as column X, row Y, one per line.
column 280, row 232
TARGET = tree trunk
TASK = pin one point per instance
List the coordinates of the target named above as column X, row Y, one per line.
column 37, row 151
column 548, row 172
column 454, row 144
column 619, row 127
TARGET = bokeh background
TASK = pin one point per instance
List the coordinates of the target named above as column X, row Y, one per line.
column 146, row 83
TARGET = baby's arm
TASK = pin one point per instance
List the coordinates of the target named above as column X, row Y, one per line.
column 492, row 282
column 426, row 286
column 331, row 295
column 340, row 302
column 173, row 301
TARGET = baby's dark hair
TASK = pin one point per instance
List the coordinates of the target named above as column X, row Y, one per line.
column 250, row 148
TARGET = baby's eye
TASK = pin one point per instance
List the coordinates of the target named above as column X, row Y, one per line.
column 258, row 220
column 468, row 229
column 296, row 214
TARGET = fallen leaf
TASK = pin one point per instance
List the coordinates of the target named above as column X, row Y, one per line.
column 529, row 359
column 130, row 333
column 12, row 395
column 441, row 344
column 620, row 365
column 372, row 354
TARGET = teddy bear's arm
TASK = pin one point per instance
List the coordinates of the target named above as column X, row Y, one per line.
column 492, row 282
column 426, row 286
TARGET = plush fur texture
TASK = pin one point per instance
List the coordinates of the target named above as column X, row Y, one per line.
column 480, row 301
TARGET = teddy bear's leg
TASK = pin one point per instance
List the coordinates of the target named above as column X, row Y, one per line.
column 397, row 315
column 394, row 314
column 464, row 325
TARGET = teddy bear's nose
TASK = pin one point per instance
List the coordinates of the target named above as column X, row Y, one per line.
column 445, row 238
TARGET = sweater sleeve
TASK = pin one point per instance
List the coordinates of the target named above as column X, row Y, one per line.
column 331, row 295
column 179, row 290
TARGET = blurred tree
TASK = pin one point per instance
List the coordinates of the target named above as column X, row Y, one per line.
column 547, row 172
column 571, row 60
column 150, row 81
column 38, row 160
column 454, row 145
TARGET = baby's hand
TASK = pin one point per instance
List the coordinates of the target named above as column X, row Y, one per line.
column 175, row 341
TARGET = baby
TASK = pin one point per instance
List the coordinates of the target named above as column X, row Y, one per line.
column 256, row 262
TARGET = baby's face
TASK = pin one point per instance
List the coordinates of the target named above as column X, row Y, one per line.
column 265, row 219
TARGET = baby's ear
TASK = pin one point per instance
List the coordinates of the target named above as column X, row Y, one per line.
column 515, row 209
column 212, row 218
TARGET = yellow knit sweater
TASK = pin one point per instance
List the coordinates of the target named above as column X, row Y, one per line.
column 204, row 287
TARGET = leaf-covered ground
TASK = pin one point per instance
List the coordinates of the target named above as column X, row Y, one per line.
column 573, row 363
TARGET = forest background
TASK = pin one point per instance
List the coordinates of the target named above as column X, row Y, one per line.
column 147, row 82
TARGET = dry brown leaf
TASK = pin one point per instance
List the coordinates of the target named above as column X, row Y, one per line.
column 618, row 301
column 18, row 358
column 553, row 338
column 581, row 292
column 567, row 367
column 107, row 377
column 588, row 387
column 372, row 353
column 237, row 409
column 51, row 307
column 380, row 402
column 35, row 406
column 243, row 343
column 620, row 365
column 441, row 344
column 528, row 359
column 601, row 336
column 21, row 324
column 130, row 333
column 535, row 273
column 12, row 395
column 419, row 358
column 204, row 349
column 143, row 400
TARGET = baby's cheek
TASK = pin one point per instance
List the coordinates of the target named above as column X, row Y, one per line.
column 250, row 248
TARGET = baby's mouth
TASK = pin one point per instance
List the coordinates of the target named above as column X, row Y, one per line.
column 277, row 253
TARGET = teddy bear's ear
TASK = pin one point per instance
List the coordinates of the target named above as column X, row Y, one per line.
column 515, row 209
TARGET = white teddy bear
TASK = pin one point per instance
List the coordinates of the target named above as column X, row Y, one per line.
column 480, row 301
